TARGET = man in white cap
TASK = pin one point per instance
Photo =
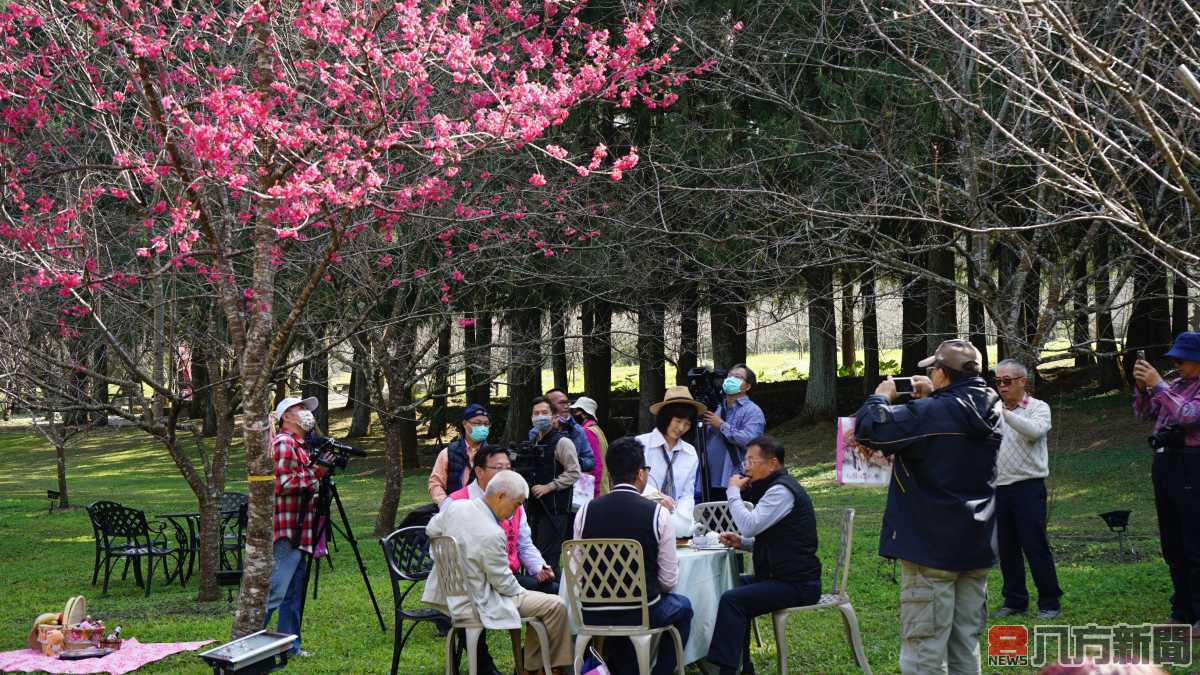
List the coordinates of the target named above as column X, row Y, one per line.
column 296, row 484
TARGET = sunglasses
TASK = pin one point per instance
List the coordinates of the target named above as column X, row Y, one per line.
column 1006, row 381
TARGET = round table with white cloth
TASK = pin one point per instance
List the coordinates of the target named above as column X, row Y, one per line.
column 703, row 576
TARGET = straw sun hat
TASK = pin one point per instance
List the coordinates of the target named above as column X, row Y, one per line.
column 678, row 395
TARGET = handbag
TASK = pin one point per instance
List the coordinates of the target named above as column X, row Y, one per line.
column 583, row 491
column 593, row 664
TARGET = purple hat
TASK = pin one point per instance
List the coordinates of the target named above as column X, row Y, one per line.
column 1186, row 347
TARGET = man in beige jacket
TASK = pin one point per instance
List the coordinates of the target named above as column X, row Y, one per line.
column 493, row 592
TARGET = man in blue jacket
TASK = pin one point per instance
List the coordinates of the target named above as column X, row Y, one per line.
column 940, row 511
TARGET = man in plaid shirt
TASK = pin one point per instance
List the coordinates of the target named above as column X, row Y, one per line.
column 296, row 486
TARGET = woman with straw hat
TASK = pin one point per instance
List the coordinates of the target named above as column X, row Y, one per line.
column 672, row 461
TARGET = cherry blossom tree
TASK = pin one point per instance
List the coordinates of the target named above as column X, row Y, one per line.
column 229, row 140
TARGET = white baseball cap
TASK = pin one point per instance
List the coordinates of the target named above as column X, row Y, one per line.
column 309, row 403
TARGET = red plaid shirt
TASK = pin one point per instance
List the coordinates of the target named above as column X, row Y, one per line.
column 295, row 489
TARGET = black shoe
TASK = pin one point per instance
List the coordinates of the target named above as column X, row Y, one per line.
column 1006, row 611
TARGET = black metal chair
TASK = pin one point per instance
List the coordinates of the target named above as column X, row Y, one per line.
column 233, row 537
column 122, row 532
column 407, row 554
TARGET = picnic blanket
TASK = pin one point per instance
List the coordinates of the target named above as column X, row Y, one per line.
column 131, row 656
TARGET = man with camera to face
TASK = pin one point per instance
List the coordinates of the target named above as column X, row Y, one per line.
column 1175, row 472
column 296, row 484
column 939, row 517
column 730, row 427
column 555, row 471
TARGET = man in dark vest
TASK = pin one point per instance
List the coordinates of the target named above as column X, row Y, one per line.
column 781, row 531
column 452, row 468
column 555, row 470
column 624, row 513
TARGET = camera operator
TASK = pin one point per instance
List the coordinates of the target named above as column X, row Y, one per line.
column 1175, row 409
column 570, row 427
column 734, row 423
column 296, row 484
column 940, row 514
column 452, row 468
column 554, row 477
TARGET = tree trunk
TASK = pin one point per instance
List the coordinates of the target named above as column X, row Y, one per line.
column 689, row 334
column 100, row 385
column 393, row 451
column 208, row 499
column 198, row 405
column 912, row 331
column 1150, row 317
column 479, row 359
column 728, row 319
column 360, row 391
column 558, row 347
column 158, row 352
column 849, row 355
column 942, row 313
column 1031, row 308
column 651, row 374
column 1106, row 340
column 1081, row 334
column 441, row 385
column 977, row 318
column 870, row 330
column 315, row 373
column 60, row 456
column 400, row 424
column 597, row 356
column 820, row 398
column 524, row 370
column 1179, row 306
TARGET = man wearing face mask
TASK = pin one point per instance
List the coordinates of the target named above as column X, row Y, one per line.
column 560, row 405
column 452, row 468
column 734, row 423
column 554, row 478
column 296, row 484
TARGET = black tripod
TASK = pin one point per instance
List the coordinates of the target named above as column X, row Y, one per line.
column 325, row 528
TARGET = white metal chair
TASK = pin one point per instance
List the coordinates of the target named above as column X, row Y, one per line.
column 838, row 599
column 452, row 582
column 607, row 572
column 713, row 517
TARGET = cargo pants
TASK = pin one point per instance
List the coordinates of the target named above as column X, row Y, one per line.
column 942, row 614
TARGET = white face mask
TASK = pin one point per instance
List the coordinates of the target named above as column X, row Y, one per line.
column 306, row 420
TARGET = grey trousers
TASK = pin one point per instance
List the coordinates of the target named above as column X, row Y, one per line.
column 942, row 614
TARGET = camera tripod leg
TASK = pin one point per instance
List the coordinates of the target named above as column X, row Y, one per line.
column 362, row 567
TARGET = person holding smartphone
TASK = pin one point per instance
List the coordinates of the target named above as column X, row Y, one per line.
column 1174, row 408
column 940, row 512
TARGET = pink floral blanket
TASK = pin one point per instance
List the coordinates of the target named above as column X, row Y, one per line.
column 131, row 656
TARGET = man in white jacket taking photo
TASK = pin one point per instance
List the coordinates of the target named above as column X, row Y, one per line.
column 1021, row 469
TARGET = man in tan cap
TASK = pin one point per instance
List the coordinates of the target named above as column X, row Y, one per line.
column 940, row 512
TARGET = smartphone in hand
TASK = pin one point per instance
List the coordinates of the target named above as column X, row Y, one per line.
column 904, row 385
column 1141, row 354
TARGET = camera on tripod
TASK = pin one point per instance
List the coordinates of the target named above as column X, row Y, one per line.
column 705, row 385
column 333, row 454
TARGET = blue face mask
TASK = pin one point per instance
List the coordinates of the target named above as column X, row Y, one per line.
column 541, row 423
column 731, row 385
column 479, row 433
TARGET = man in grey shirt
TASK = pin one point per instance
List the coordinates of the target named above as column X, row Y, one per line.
column 782, row 533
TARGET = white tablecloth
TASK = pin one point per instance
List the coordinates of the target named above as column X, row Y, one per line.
column 703, row 577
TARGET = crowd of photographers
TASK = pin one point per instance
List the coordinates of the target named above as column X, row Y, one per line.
column 967, row 489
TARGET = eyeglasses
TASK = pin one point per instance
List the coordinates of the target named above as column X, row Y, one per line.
column 504, row 467
column 1006, row 381
column 750, row 461
column 929, row 371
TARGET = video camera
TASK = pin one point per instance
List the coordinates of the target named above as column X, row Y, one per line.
column 526, row 458
column 705, row 385
column 332, row 454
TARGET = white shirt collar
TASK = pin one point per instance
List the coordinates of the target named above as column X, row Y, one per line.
column 655, row 440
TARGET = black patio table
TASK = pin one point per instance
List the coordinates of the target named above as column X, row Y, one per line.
column 187, row 523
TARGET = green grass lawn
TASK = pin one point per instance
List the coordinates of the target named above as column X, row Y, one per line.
column 1098, row 463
